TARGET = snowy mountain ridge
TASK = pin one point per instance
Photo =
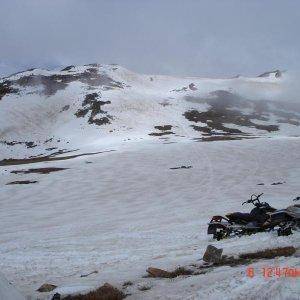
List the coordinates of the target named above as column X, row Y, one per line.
column 96, row 105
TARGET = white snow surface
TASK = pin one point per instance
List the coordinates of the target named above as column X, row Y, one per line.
column 126, row 211
column 8, row 291
column 123, row 211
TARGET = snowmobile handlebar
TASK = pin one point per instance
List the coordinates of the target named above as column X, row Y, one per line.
column 253, row 199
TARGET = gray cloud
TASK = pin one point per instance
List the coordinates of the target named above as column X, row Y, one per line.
column 192, row 37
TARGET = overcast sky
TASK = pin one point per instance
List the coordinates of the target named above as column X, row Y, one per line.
column 214, row 38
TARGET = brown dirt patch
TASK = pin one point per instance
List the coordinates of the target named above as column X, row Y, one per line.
column 105, row 292
column 38, row 170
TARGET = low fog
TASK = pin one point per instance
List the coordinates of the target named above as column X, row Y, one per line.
column 194, row 38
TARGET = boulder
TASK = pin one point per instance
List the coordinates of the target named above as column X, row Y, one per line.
column 212, row 254
column 155, row 272
column 46, row 287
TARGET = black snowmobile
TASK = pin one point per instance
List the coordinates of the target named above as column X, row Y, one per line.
column 262, row 217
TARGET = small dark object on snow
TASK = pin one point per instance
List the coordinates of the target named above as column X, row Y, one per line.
column 182, row 167
column 260, row 184
column 297, row 198
column 56, row 296
column 212, row 254
column 277, row 183
column 46, row 287
column 88, row 274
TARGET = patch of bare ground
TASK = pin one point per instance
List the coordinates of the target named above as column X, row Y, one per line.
column 163, row 127
column 22, row 182
column 161, row 133
column 105, row 292
column 250, row 257
column 23, row 161
column 227, row 108
column 13, row 143
column 38, row 170
column 6, row 88
column 159, row 273
column 224, row 138
column 242, row 259
column 53, row 83
column 181, row 167
column 92, row 105
column 163, row 130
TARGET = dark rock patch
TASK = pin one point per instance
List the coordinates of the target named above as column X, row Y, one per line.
column 22, row 182
column 6, row 88
column 13, row 143
column 16, row 161
column 65, row 108
column 46, row 287
column 88, row 274
column 56, row 82
column 92, row 105
column 278, row 183
column 68, row 68
column 181, row 167
column 223, row 138
column 163, row 127
column 214, row 118
column 161, row 133
column 38, row 170
column 192, row 87
column 183, row 89
column 159, row 273
column 277, row 74
column 212, row 254
column 226, row 108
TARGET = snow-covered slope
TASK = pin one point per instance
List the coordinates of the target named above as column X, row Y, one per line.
column 91, row 179
column 8, row 291
column 96, row 106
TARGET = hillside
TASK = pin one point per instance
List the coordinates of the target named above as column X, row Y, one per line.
column 105, row 172
column 45, row 113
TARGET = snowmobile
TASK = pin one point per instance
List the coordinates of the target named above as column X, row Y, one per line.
column 262, row 217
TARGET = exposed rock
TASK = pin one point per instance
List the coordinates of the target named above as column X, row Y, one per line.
column 163, row 127
column 88, row 274
column 277, row 183
column 161, row 133
column 212, row 254
column 192, row 87
column 94, row 106
column 155, row 272
column 6, row 88
column 56, row 296
column 46, row 287
column 38, row 170
column 182, row 167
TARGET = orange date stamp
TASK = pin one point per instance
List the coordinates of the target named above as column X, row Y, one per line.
column 271, row 272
